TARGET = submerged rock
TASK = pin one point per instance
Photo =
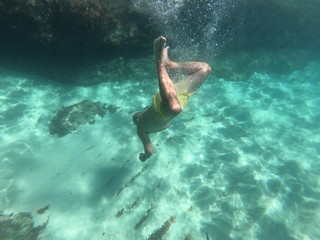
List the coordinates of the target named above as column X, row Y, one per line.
column 73, row 23
column 93, row 41
column 57, row 38
column 70, row 118
column 20, row 226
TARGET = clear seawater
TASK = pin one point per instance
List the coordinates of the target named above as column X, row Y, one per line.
column 241, row 162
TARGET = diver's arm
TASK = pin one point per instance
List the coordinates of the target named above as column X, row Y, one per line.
column 148, row 149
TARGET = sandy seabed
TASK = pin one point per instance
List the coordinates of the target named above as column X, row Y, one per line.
column 242, row 161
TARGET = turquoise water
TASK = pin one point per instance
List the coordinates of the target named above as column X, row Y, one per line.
column 241, row 162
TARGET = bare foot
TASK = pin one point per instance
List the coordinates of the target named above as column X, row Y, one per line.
column 158, row 47
column 167, row 62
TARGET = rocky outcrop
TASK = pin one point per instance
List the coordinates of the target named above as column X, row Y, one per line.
column 58, row 37
column 87, row 42
column 70, row 118
column 67, row 25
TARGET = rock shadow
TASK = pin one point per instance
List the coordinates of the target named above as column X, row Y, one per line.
column 106, row 182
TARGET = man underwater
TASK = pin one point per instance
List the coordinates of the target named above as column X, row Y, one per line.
column 171, row 98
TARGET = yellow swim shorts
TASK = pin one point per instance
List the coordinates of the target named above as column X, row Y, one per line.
column 182, row 97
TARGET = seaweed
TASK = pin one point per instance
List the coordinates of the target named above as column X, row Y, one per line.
column 42, row 210
column 132, row 180
column 144, row 218
column 134, row 204
column 123, row 210
column 138, row 174
column 119, row 213
column 188, row 237
column 160, row 232
column 20, row 226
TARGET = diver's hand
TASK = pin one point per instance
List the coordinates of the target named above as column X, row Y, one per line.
column 143, row 157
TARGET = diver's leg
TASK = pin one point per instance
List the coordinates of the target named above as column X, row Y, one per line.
column 148, row 149
column 170, row 102
column 185, row 67
column 197, row 71
column 194, row 80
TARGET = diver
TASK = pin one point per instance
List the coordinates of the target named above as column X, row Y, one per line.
column 171, row 98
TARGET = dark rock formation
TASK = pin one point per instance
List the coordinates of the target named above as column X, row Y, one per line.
column 20, row 226
column 71, row 118
column 86, row 42
column 58, row 37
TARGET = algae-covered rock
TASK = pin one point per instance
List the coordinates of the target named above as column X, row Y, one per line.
column 19, row 226
column 71, row 118
column 160, row 232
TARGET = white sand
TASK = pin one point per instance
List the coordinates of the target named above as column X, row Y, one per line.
column 242, row 161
